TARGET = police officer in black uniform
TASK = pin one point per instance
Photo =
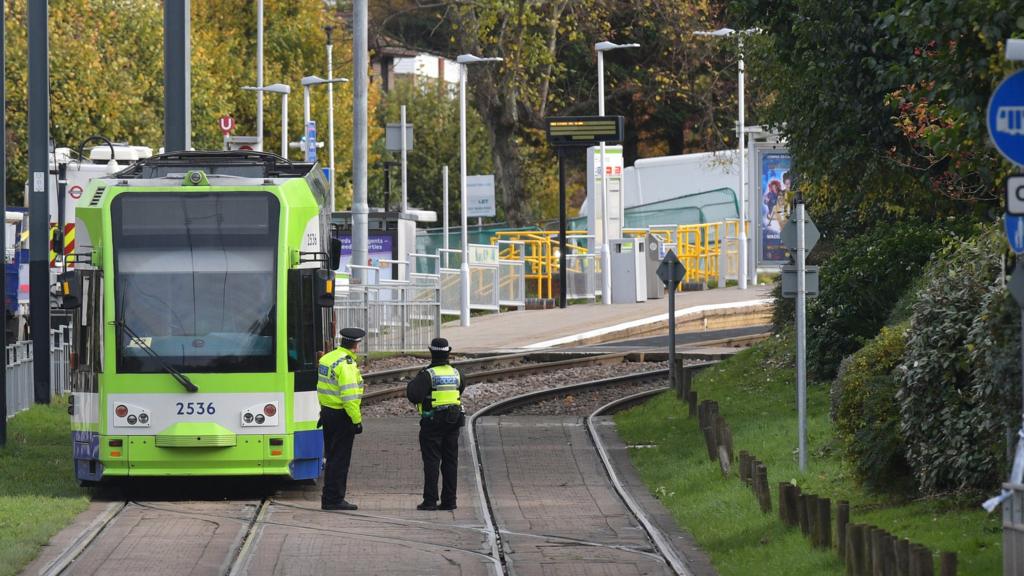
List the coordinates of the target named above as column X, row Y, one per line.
column 340, row 390
column 437, row 393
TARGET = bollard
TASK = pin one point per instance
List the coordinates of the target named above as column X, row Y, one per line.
column 812, row 519
column 842, row 520
column 902, row 557
column 888, row 554
column 691, row 399
column 854, row 550
column 765, row 493
column 947, row 566
column 784, row 502
column 709, row 442
column 801, row 512
column 745, row 466
column 793, row 509
column 865, row 557
column 824, row 523
column 727, row 441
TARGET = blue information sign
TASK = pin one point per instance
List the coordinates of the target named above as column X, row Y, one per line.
column 1015, row 232
column 311, row 141
column 1006, row 117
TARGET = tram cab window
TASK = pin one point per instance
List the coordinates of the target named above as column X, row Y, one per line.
column 305, row 327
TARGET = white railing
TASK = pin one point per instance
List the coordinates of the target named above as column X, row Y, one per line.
column 397, row 316
column 21, row 391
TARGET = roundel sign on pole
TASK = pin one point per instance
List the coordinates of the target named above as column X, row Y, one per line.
column 75, row 192
column 1006, row 117
column 227, row 124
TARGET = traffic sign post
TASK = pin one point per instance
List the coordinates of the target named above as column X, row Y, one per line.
column 671, row 272
column 800, row 235
column 1015, row 195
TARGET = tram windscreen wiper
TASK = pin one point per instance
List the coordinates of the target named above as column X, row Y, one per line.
column 182, row 379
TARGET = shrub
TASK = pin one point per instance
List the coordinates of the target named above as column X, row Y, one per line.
column 867, row 415
column 959, row 381
column 860, row 285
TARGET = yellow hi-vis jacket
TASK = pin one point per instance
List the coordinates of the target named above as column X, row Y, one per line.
column 339, row 383
column 444, row 388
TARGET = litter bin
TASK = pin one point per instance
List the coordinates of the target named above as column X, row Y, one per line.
column 628, row 270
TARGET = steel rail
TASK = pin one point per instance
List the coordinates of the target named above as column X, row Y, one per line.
column 244, row 549
column 84, row 538
column 494, row 534
column 658, row 538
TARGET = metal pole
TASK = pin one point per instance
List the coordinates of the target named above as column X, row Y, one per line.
column 405, row 189
column 464, row 268
column 284, row 125
column 360, row 208
column 38, row 167
column 444, row 212
column 259, row 75
column 741, row 150
column 606, row 260
column 305, row 110
column 672, row 326
column 3, row 206
column 330, row 111
column 177, row 77
column 801, row 332
column 561, row 231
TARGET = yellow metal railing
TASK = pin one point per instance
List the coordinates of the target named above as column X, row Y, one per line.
column 538, row 250
column 700, row 247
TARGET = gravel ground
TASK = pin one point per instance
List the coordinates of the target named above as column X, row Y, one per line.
column 480, row 395
column 583, row 403
column 394, row 362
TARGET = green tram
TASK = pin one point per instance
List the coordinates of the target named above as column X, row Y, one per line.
column 201, row 300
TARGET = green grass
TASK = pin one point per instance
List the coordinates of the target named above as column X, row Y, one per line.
column 756, row 392
column 38, row 492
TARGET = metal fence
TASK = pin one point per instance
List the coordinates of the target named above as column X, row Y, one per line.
column 1013, row 530
column 397, row 316
column 21, row 391
column 581, row 276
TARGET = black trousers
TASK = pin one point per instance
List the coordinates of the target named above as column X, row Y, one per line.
column 439, row 446
column 339, row 432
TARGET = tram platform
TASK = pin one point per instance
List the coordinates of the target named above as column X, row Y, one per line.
column 583, row 324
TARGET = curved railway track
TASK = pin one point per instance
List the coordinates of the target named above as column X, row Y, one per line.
column 659, row 541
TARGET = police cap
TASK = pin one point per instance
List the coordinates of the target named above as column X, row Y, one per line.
column 439, row 345
column 353, row 334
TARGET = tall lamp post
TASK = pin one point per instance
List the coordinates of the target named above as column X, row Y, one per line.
column 284, row 90
column 606, row 272
column 741, row 148
column 307, row 83
column 464, row 60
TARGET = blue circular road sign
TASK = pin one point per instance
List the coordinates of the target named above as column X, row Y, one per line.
column 1014, row 232
column 1006, row 117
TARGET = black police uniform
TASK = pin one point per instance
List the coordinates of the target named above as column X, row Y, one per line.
column 340, row 427
column 439, row 433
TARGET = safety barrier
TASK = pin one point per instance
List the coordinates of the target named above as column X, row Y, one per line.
column 21, row 391
column 709, row 251
column 538, row 250
column 397, row 316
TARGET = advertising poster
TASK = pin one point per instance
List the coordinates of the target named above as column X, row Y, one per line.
column 380, row 245
column 775, row 181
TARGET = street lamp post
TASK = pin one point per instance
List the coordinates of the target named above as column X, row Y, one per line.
column 284, row 90
column 464, row 60
column 606, row 272
column 307, row 83
column 741, row 148
column 330, row 111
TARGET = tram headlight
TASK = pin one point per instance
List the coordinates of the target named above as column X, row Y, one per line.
column 270, row 410
column 143, row 418
column 121, row 411
column 247, row 417
column 260, row 419
column 132, row 419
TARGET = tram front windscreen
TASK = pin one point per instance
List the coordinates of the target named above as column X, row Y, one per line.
column 195, row 281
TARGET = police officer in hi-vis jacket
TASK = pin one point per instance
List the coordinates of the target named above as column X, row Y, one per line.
column 340, row 391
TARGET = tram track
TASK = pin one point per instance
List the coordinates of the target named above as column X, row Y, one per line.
column 658, row 540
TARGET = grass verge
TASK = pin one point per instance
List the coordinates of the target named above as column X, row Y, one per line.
column 756, row 391
column 38, row 492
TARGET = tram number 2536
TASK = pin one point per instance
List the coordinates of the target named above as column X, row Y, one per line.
column 189, row 408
